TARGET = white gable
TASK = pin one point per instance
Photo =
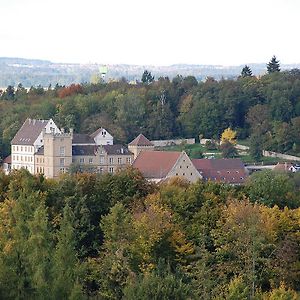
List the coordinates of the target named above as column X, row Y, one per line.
column 49, row 127
column 103, row 137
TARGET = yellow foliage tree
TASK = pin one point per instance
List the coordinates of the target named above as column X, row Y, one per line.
column 228, row 135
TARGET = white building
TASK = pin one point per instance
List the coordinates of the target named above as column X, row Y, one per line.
column 28, row 140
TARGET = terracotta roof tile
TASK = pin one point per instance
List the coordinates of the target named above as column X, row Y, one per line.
column 156, row 164
column 231, row 170
column 141, row 140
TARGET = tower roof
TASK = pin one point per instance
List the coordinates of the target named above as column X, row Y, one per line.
column 141, row 140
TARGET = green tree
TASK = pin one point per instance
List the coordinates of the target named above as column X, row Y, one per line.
column 228, row 150
column 147, row 78
column 160, row 284
column 272, row 188
column 256, row 146
column 246, row 72
column 273, row 66
column 66, row 269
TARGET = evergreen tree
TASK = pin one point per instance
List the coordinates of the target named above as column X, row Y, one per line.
column 273, row 66
column 65, row 264
column 246, row 72
column 147, row 78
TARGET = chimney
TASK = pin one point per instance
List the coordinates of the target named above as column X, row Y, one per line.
column 71, row 132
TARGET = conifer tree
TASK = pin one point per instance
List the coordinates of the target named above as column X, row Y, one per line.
column 65, row 265
column 246, row 72
column 39, row 252
column 273, row 66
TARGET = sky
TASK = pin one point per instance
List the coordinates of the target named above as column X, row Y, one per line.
column 156, row 32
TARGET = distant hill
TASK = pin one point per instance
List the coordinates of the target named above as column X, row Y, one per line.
column 33, row 72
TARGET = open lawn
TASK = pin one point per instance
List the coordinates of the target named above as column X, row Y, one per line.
column 200, row 151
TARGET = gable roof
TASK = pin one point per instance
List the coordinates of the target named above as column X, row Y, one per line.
column 116, row 150
column 228, row 170
column 29, row 132
column 156, row 164
column 141, row 140
column 81, row 138
column 95, row 133
column 7, row 160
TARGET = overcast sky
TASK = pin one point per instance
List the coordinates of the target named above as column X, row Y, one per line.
column 159, row 32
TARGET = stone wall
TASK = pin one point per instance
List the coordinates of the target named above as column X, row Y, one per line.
column 280, row 155
column 162, row 143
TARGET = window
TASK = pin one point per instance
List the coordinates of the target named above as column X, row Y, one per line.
column 111, row 160
column 17, row 148
column 110, row 170
column 21, row 149
column 179, row 167
column 128, row 160
column 13, row 148
column 25, row 149
column 119, row 160
column 101, row 170
column 176, row 174
column 183, row 174
column 101, row 160
column 187, row 167
column 25, row 158
column 62, row 150
column 191, row 174
column 81, row 160
column 61, row 162
column 90, row 160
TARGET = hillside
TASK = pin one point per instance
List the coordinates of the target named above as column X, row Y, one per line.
column 33, row 72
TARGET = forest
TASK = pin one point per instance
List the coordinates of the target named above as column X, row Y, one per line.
column 91, row 236
column 265, row 110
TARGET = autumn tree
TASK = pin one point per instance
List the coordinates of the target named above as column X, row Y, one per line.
column 228, row 135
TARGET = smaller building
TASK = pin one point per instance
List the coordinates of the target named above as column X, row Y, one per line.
column 160, row 165
column 102, row 137
column 287, row 167
column 226, row 170
column 140, row 143
column 7, row 164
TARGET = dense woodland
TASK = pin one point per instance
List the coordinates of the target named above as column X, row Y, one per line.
column 266, row 109
column 89, row 236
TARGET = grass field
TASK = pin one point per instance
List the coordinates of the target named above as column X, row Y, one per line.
column 198, row 151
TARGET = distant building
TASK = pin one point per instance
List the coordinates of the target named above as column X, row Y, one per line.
column 227, row 170
column 42, row 148
column 160, row 165
column 140, row 143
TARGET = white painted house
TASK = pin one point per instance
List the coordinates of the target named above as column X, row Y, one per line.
column 28, row 140
column 102, row 137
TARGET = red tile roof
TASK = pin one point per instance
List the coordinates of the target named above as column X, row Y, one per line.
column 231, row 170
column 156, row 164
column 7, row 160
column 141, row 140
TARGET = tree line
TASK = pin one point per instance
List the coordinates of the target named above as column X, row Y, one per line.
column 266, row 109
column 88, row 236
